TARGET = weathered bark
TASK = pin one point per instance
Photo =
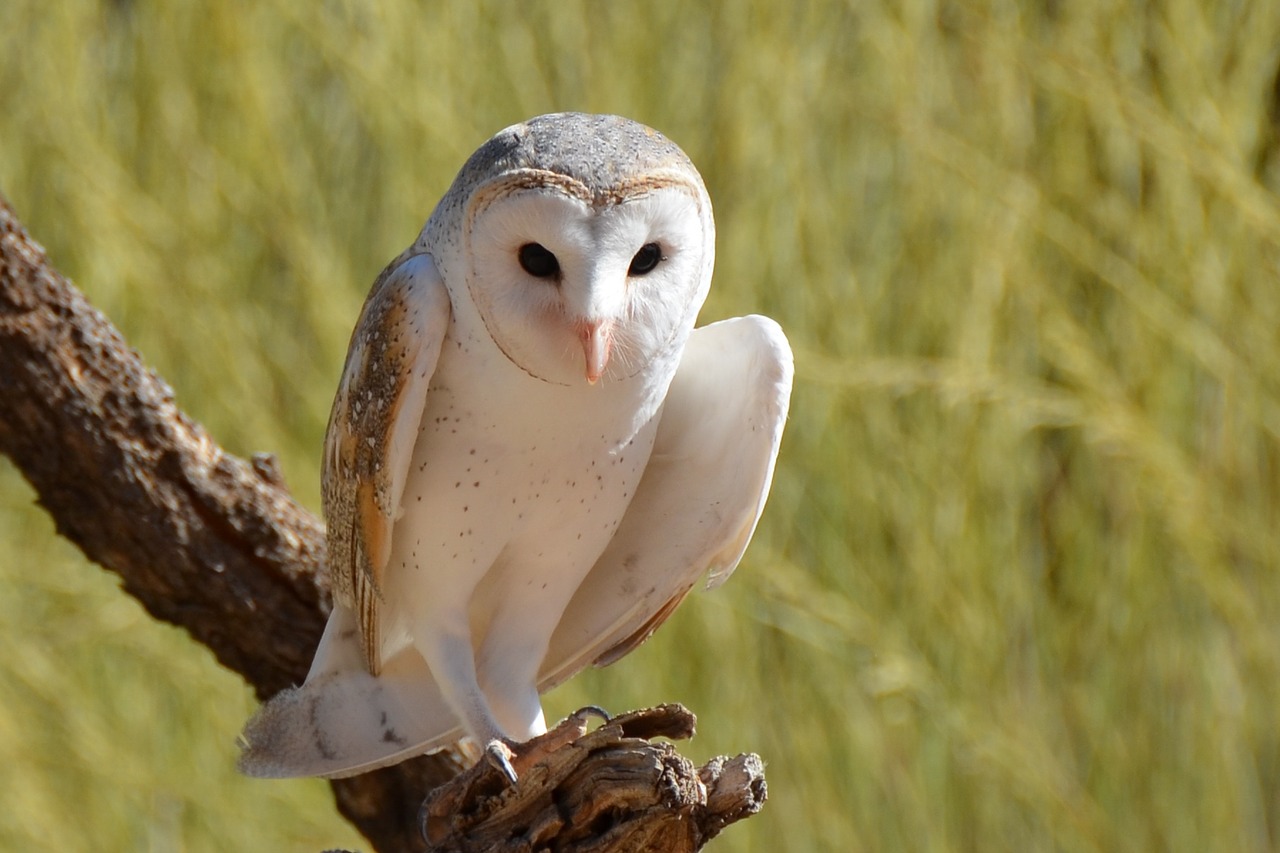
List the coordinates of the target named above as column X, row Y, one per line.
column 201, row 538
column 607, row 790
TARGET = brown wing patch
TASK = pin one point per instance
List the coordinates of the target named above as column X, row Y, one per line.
column 374, row 526
column 371, row 432
column 644, row 632
column 368, row 599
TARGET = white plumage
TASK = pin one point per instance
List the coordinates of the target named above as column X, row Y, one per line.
column 532, row 456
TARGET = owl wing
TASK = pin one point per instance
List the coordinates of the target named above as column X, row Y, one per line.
column 372, row 430
column 699, row 498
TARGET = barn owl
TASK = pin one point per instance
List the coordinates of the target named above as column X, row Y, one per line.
column 532, row 456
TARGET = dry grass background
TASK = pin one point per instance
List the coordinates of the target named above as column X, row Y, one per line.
column 1017, row 588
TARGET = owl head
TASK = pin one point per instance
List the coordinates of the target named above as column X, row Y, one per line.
column 585, row 244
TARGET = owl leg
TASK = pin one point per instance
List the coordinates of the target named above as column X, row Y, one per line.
column 511, row 652
column 509, row 678
column 508, row 660
column 449, row 654
column 515, row 701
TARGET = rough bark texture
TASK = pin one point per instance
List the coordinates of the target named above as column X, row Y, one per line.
column 211, row 542
column 201, row 538
column 607, row 790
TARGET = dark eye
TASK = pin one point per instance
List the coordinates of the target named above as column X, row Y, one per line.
column 646, row 259
column 538, row 262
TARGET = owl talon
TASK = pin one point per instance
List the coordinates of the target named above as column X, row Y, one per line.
column 499, row 756
column 594, row 711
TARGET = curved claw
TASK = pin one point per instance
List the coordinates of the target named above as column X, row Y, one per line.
column 593, row 711
column 499, row 756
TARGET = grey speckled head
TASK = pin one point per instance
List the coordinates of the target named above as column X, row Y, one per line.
column 600, row 151
column 604, row 154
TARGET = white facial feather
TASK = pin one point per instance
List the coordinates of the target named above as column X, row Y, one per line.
column 533, row 320
column 533, row 455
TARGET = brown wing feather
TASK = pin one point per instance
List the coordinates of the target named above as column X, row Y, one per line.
column 372, row 428
column 644, row 632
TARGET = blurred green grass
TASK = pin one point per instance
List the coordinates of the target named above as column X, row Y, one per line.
column 1017, row 587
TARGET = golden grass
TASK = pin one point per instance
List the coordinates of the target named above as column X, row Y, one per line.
column 1017, row 588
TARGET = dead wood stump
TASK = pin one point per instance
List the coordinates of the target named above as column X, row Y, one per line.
column 610, row 790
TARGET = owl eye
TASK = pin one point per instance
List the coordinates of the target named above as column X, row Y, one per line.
column 537, row 261
column 646, row 259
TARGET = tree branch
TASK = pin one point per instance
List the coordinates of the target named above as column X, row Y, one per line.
column 201, row 538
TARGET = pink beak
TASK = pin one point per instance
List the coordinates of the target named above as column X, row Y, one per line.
column 597, row 340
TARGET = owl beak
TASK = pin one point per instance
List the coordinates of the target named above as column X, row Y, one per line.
column 597, row 340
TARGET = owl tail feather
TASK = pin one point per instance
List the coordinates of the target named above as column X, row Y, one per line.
column 343, row 721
